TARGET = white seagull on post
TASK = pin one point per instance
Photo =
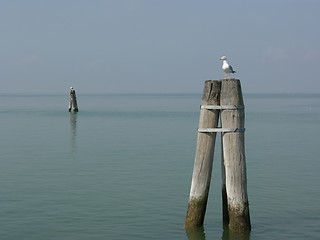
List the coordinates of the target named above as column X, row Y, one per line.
column 226, row 67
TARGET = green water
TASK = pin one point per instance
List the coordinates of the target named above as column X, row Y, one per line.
column 121, row 168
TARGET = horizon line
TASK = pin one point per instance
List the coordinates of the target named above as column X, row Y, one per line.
column 151, row 93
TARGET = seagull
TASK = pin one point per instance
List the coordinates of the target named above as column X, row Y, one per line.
column 226, row 67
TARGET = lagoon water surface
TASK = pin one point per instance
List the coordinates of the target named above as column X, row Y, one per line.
column 121, row 167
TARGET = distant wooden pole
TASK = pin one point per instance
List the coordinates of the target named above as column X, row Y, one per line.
column 204, row 157
column 73, row 105
column 234, row 162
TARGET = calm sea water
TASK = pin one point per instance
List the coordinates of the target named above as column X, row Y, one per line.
column 121, row 167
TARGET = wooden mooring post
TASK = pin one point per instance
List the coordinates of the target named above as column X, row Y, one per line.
column 234, row 174
column 203, row 162
column 73, row 105
column 222, row 98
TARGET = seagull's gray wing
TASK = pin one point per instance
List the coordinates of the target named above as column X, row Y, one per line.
column 231, row 69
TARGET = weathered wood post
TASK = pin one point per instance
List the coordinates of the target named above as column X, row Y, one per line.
column 73, row 105
column 234, row 177
column 203, row 162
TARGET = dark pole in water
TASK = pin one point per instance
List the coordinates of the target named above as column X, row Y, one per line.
column 73, row 105
column 234, row 176
column 203, row 162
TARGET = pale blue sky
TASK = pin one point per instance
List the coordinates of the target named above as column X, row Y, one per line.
column 155, row 46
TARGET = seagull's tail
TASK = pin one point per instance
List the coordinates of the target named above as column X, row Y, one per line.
column 233, row 71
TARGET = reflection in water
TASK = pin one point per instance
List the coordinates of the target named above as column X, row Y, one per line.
column 73, row 132
column 196, row 234
column 229, row 235
column 199, row 234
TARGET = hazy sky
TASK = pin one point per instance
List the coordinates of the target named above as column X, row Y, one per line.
column 152, row 46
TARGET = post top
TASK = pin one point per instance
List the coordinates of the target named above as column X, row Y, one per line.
column 224, row 79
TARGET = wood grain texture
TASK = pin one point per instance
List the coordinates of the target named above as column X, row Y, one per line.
column 203, row 162
column 234, row 177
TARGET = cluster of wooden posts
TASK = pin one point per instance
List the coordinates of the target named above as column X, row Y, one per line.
column 221, row 99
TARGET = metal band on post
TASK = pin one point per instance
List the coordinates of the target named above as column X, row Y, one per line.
column 221, row 107
column 222, row 130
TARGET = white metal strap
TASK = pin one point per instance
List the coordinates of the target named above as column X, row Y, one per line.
column 223, row 130
column 221, row 107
